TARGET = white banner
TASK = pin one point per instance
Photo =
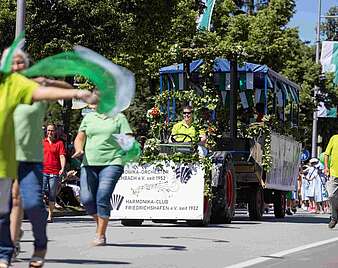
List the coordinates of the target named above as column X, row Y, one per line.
column 150, row 192
column 329, row 58
column 285, row 153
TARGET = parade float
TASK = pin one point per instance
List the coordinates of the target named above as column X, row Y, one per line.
column 257, row 165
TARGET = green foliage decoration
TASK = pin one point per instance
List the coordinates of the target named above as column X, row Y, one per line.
column 152, row 155
column 262, row 130
column 160, row 130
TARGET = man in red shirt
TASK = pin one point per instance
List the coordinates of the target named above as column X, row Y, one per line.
column 54, row 162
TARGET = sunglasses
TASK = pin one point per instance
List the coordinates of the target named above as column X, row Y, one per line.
column 187, row 112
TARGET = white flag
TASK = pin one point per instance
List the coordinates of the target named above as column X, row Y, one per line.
column 329, row 58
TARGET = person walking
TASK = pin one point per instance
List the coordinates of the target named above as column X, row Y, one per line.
column 28, row 120
column 16, row 89
column 54, row 163
column 331, row 153
column 102, row 165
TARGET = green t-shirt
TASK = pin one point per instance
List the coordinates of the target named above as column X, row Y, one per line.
column 101, row 148
column 28, row 121
column 14, row 89
column 332, row 152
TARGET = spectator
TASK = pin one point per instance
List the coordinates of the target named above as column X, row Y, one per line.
column 54, row 162
column 311, row 177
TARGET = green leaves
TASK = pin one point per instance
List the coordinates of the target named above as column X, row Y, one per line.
column 254, row 132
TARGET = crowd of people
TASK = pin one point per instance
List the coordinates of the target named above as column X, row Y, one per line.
column 317, row 185
column 313, row 192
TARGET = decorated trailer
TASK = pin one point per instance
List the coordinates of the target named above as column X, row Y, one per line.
column 257, row 166
column 264, row 152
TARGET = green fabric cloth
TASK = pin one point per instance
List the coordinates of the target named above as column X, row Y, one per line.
column 14, row 90
column 28, row 121
column 101, row 147
column 332, row 152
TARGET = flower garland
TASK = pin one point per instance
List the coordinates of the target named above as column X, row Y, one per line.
column 209, row 100
column 159, row 129
column 153, row 114
column 258, row 130
column 153, row 155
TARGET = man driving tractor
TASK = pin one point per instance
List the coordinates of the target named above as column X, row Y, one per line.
column 184, row 131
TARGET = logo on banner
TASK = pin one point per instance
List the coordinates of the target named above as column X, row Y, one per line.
column 183, row 173
column 116, row 201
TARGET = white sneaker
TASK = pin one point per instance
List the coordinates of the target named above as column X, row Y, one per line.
column 305, row 208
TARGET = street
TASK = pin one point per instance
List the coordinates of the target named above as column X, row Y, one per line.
column 242, row 243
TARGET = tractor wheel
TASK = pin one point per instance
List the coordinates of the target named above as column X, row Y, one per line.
column 256, row 204
column 279, row 204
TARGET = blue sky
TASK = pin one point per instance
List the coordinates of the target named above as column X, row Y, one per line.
column 305, row 17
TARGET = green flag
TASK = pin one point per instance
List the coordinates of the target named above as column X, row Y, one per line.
column 205, row 19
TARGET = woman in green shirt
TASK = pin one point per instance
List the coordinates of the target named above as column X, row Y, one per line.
column 102, row 165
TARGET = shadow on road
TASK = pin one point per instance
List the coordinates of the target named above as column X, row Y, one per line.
column 197, row 238
column 81, row 261
column 300, row 218
column 185, row 225
column 170, row 247
column 73, row 219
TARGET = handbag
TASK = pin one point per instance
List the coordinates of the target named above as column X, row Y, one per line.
column 331, row 186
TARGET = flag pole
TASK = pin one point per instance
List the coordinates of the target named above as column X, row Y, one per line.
column 20, row 17
column 315, row 117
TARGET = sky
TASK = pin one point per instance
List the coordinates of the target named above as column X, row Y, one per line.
column 306, row 15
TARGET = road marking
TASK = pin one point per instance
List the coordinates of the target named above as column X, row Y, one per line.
column 281, row 254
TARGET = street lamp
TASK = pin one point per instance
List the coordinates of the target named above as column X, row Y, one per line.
column 315, row 117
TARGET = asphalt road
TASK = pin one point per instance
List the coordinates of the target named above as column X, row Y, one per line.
column 287, row 242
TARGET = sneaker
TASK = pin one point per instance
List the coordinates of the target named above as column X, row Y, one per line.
column 288, row 212
column 304, row 207
column 332, row 223
column 99, row 241
column 294, row 210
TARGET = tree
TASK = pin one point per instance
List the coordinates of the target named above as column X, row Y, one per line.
column 146, row 35
column 7, row 23
column 135, row 34
column 330, row 27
